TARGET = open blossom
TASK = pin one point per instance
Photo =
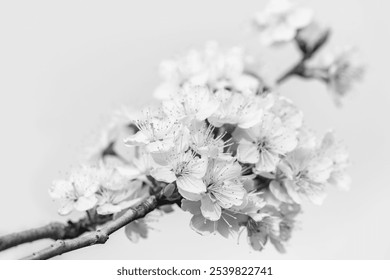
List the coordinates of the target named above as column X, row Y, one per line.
column 118, row 192
column 157, row 133
column 78, row 192
column 260, row 229
column 342, row 70
column 192, row 103
column 238, row 109
column 224, row 188
column 302, row 175
column 185, row 168
column 265, row 144
column 227, row 225
column 280, row 21
column 204, row 141
column 212, row 66
column 110, row 143
column 265, row 222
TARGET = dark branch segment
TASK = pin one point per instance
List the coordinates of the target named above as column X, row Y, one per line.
column 99, row 236
column 54, row 230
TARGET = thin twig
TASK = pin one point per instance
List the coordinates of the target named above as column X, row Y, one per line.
column 307, row 52
column 99, row 236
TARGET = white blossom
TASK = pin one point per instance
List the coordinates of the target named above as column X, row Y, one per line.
column 211, row 67
column 192, row 103
column 118, row 192
column 238, row 109
column 185, row 168
column 303, row 175
column 227, row 225
column 157, row 133
column 280, row 21
column 265, row 144
column 224, row 188
column 204, row 141
column 78, row 192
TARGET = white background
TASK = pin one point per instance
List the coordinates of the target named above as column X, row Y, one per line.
column 65, row 65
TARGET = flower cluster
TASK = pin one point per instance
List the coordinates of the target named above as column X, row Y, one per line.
column 221, row 144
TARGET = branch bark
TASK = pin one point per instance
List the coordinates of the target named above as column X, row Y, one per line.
column 99, row 236
column 54, row 230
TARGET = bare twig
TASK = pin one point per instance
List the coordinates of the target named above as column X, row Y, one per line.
column 308, row 51
column 99, row 236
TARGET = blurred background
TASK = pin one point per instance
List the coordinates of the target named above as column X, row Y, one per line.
column 66, row 65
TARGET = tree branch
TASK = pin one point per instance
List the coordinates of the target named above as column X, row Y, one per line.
column 54, row 230
column 99, row 236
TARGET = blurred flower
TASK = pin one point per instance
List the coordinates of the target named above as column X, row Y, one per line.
column 288, row 113
column 227, row 224
column 136, row 229
column 280, row 21
column 342, row 69
column 118, row 192
column 312, row 38
column 78, row 192
column 302, row 174
column 338, row 154
column 212, row 67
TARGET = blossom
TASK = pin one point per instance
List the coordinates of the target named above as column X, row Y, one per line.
column 227, row 225
column 136, row 229
column 211, row 66
column 118, row 192
column 156, row 133
column 224, row 188
column 287, row 213
column 78, row 192
column 186, row 169
column 238, row 109
column 280, row 21
column 342, row 69
column 193, row 102
column 302, row 174
column 259, row 230
column 265, row 144
column 109, row 145
column 274, row 224
column 290, row 115
column 338, row 154
column 204, row 141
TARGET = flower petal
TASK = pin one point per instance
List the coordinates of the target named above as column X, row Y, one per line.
column 189, row 184
column 164, row 174
column 247, row 153
column 279, row 191
column 197, row 167
column 85, row 203
column 201, row 225
column 191, row 206
column 210, row 209
column 139, row 138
